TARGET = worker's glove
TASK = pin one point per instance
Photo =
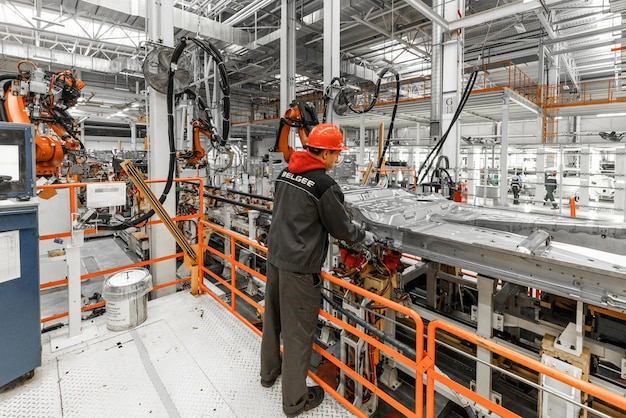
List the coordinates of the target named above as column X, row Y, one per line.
column 369, row 238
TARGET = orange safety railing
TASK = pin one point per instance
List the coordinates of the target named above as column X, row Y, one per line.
column 419, row 364
column 433, row 375
column 72, row 195
column 422, row 366
column 492, row 77
column 498, row 75
column 585, row 93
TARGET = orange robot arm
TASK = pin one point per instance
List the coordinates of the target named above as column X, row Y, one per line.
column 301, row 116
column 197, row 152
column 50, row 149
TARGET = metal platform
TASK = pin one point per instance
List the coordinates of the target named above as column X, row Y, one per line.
column 191, row 358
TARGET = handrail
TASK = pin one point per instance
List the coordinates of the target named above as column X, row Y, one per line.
column 419, row 343
column 432, row 375
column 424, row 363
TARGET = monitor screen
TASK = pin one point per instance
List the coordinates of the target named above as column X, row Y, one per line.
column 17, row 175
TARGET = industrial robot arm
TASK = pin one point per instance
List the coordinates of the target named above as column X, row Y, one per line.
column 301, row 116
column 42, row 98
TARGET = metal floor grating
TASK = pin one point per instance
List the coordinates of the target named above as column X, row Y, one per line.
column 191, row 358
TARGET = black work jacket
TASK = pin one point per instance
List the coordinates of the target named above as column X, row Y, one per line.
column 307, row 207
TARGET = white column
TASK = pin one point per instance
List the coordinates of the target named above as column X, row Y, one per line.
column 540, row 186
column 360, row 159
column 332, row 61
column 452, row 85
column 585, row 169
column 503, row 184
column 133, row 135
column 620, row 179
column 248, row 150
column 160, row 26
column 473, row 162
column 287, row 54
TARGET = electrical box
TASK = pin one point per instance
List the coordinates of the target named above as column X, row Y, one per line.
column 20, row 317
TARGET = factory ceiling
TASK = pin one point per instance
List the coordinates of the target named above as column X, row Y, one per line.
column 106, row 41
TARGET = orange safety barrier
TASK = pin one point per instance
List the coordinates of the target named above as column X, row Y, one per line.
column 595, row 391
column 572, row 206
column 72, row 188
column 424, row 363
column 420, row 363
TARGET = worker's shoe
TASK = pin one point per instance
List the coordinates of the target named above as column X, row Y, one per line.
column 314, row 398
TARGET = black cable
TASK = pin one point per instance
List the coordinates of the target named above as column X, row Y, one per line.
column 370, row 106
column 237, row 203
column 225, row 87
column 376, row 93
column 429, row 161
column 342, row 93
column 5, row 88
column 390, row 130
column 256, row 196
column 65, row 120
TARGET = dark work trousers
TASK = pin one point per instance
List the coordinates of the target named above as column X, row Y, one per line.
column 550, row 196
column 515, row 188
column 292, row 303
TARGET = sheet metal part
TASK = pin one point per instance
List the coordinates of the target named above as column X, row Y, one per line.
column 600, row 235
column 418, row 225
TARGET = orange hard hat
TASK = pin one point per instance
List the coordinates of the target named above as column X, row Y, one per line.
column 326, row 136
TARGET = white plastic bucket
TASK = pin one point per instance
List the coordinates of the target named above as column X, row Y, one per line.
column 126, row 295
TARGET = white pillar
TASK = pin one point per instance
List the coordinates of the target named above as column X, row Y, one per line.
column 503, row 184
column 160, row 26
column 248, row 150
column 360, row 159
column 620, row 180
column 452, row 85
column 332, row 61
column 133, row 135
column 585, row 170
column 288, row 57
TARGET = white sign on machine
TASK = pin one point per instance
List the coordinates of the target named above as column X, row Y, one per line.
column 104, row 195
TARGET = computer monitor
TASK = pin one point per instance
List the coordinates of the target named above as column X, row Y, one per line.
column 17, row 160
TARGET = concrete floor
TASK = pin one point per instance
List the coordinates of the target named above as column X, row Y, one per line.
column 191, row 358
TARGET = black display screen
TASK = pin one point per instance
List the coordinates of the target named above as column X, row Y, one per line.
column 16, row 160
